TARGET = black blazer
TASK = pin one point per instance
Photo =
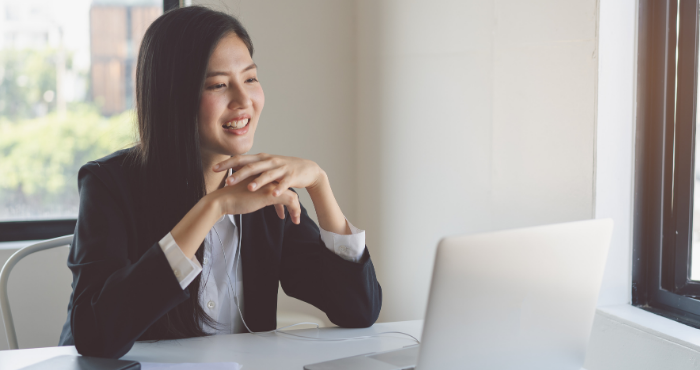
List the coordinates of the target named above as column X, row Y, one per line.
column 123, row 284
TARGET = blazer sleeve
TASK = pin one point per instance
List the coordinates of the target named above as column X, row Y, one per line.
column 348, row 292
column 115, row 297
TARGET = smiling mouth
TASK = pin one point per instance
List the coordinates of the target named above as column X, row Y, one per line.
column 236, row 124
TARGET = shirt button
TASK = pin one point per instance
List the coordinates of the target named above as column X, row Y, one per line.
column 206, row 260
column 177, row 273
column 211, row 304
column 343, row 249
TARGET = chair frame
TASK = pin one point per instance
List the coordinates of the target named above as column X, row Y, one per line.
column 5, row 276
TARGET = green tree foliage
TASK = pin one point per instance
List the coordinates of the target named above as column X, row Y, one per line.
column 40, row 157
column 41, row 150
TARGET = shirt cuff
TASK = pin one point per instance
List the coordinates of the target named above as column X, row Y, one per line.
column 349, row 247
column 185, row 269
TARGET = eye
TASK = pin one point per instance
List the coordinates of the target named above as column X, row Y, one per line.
column 217, row 86
column 252, row 80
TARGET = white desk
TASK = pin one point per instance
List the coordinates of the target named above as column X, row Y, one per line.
column 269, row 351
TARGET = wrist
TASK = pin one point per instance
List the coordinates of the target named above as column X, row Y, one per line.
column 212, row 204
column 321, row 182
column 193, row 228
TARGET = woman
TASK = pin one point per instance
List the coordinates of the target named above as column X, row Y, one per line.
column 157, row 245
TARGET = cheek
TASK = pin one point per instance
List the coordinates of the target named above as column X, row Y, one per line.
column 258, row 98
column 207, row 108
column 208, row 118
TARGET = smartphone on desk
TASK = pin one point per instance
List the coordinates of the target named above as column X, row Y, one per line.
column 68, row 362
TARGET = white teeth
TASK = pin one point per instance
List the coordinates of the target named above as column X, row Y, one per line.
column 237, row 124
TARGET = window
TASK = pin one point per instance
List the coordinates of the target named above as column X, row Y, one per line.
column 67, row 73
column 666, row 258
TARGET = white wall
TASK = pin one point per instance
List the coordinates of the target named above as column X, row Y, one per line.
column 473, row 116
column 615, row 141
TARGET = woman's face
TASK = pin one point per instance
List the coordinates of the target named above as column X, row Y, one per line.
column 231, row 101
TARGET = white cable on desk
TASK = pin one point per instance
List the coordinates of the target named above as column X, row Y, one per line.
column 237, row 260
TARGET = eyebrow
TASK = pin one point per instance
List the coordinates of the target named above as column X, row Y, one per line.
column 222, row 73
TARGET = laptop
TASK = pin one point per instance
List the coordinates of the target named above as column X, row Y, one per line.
column 516, row 299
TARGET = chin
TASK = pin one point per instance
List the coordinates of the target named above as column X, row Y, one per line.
column 235, row 147
column 239, row 150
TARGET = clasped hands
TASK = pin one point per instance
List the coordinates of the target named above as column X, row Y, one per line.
column 262, row 179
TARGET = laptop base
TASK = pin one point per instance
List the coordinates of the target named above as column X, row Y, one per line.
column 398, row 359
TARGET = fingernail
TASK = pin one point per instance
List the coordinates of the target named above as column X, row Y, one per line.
column 216, row 168
column 277, row 192
column 230, row 180
column 253, row 185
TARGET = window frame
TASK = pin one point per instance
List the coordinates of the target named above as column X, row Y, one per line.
column 664, row 163
column 11, row 231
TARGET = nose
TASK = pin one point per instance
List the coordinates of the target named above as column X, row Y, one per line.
column 239, row 98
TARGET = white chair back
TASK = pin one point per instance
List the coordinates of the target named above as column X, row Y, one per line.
column 5, row 276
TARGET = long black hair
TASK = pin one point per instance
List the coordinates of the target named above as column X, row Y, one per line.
column 170, row 75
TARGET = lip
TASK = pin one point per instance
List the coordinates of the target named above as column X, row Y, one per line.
column 237, row 118
column 238, row 131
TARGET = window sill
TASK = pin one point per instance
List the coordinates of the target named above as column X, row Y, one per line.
column 653, row 324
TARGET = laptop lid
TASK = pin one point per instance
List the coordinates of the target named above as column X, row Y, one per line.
column 515, row 299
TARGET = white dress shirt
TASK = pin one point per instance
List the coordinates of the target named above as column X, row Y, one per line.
column 219, row 286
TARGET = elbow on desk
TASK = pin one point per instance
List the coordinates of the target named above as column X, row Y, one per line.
column 92, row 349
column 355, row 322
column 92, row 341
column 362, row 318
column 99, row 346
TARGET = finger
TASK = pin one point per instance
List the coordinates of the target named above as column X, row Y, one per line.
column 268, row 177
column 293, row 206
column 253, row 169
column 280, row 210
column 238, row 161
column 284, row 184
